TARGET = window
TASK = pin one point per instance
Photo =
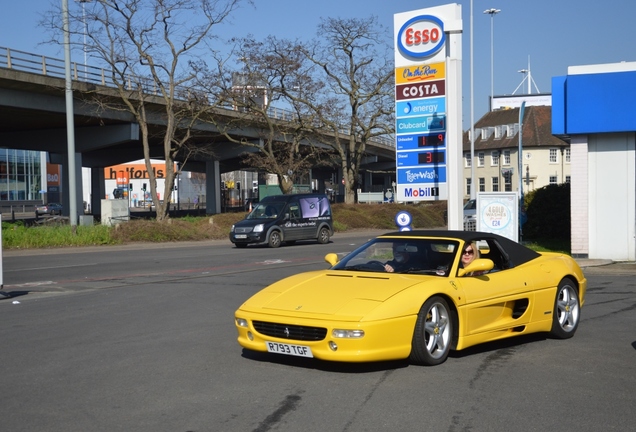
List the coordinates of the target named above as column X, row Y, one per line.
column 507, row 176
column 482, row 184
column 468, row 186
column 498, row 132
column 468, row 160
column 494, row 158
column 553, row 155
column 553, row 180
column 506, row 157
column 567, row 155
column 495, row 184
column 567, row 179
column 480, row 159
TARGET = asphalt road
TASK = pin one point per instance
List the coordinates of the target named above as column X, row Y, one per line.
column 142, row 338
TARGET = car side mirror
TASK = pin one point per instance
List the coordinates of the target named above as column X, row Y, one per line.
column 286, row 217
column 479, row 265
column 331, row 259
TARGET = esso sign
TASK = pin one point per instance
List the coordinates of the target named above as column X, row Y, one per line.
column 421, row 36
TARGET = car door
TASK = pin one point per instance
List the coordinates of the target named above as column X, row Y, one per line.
column 498, row 300
column 292, row 227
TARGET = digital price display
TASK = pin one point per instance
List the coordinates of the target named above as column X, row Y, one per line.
column 431, row 157
column 435, row 140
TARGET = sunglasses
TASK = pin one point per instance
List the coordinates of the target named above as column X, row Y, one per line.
column 468, row 252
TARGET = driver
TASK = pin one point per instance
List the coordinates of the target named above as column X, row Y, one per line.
column 400, row 259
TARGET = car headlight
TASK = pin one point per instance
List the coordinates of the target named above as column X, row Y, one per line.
column 241, row 322
column 258, row 228
column 232, row 229
column 347, row 334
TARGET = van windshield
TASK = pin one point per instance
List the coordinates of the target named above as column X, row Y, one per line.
column 267, row 210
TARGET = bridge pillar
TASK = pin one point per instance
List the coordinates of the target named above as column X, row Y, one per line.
column 62, row 159
column 212, row 187
column 98, row 190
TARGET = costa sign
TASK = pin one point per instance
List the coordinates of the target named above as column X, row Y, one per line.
column 421, row 37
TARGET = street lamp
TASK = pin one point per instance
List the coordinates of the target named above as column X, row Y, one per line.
column 472, row 110
column 492, row 12
column 82, row 2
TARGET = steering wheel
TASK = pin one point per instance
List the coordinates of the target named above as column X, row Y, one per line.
column 375, row 265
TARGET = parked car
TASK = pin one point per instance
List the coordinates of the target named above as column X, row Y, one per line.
column 470, row 210
column 50, row 208
column 370, row 306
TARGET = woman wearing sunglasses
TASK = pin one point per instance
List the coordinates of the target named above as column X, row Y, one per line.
column 469, row 254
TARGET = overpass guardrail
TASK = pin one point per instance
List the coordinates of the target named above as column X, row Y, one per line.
column 43, row 65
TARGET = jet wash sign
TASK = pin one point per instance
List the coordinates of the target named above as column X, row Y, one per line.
column 420, row 104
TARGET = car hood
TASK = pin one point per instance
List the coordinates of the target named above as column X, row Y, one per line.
column 327, row 294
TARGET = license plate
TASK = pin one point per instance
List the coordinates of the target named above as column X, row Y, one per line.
column 240, row 236
column 289, row 349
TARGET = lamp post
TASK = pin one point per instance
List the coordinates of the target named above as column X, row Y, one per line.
column 492, row 12
column 472, row 110
column 83, row 2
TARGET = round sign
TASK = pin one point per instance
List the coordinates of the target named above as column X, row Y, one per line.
column 496, row 216
column 403, row 219
column 421, row 37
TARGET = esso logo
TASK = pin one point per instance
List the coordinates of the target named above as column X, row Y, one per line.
column 421, row 37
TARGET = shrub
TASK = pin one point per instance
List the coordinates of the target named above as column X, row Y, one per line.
column 548, row 210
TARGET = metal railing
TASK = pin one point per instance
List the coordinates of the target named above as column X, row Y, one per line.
column 53, row 67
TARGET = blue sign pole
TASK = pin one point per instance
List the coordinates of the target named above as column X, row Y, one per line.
column 520, row 168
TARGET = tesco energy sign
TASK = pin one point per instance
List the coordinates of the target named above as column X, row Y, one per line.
column 421, row 37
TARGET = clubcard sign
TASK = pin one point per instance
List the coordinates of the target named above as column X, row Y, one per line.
column 420, row 103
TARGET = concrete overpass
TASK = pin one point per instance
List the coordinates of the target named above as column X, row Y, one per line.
column 33, row 117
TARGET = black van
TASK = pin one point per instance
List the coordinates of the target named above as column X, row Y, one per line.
column 285, row 218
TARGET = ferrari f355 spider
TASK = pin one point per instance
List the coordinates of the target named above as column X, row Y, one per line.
column 416, row 295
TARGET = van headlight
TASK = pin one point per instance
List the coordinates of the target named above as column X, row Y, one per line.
column 258, row 228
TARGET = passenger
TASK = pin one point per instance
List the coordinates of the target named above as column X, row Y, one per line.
column 470, row 254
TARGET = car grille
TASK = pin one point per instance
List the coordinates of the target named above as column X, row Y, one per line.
column 242, row 230
column 286, row 331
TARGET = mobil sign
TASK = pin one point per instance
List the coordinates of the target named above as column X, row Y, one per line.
column 420, row 96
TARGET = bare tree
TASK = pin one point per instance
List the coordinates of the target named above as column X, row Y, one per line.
column 352, row 90
column 285, row 145
column 149, row 48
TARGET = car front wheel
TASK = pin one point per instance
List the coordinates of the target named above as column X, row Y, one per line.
column 567, row 311
column 274, row 239
column 433, row 333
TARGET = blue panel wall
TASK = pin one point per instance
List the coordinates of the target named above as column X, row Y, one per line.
column 600, row 103
column 558, row 106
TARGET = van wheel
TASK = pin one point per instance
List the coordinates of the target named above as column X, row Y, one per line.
column 274, row 239
column 323, row 236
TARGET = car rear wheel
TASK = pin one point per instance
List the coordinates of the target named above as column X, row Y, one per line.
column 433, row 333
column 567, row 310
column 274, row 239
column 323, row 236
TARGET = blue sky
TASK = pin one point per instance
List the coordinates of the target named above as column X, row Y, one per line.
column 552, row 34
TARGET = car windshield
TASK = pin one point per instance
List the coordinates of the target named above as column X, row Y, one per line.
column 401, row 255
column 267, row 210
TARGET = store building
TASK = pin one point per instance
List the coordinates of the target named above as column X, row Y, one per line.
column 594, row 107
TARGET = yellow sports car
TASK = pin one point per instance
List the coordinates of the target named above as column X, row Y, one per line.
column 416, row 295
